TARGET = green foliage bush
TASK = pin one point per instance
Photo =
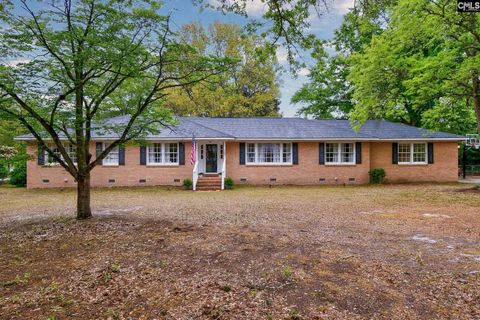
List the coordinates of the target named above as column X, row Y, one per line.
column 187, row 184
column 3, row 170
column 376, row 175
column 18, row 176
column 229, row 184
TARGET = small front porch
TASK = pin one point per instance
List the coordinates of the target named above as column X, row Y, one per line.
column 210, row 166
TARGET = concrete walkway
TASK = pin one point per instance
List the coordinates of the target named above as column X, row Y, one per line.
column 470, row 180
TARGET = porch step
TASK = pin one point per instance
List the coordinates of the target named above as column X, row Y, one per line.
column 209, row 182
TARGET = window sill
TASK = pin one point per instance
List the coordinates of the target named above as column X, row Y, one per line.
column 110, row 165
column 153, row 165
column 53, row 165
column 340, row 164
column 269, row 164
column 408, row 164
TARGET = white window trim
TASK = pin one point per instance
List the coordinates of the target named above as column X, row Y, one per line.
column 163, row 163
column 110, row 164
column 411, row 162
column 257, row 163
column 339, row 154
column 46, row 156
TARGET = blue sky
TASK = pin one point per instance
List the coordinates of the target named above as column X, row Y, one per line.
column 183, row 12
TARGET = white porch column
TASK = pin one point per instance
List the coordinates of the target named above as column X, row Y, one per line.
column 224, row 164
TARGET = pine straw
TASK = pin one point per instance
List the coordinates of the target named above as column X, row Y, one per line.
column 384, row 252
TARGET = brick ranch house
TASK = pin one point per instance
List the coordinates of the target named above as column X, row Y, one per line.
column 264, row 151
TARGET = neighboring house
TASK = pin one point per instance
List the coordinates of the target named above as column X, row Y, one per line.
column 263, row 151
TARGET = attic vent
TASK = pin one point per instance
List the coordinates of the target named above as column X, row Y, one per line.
column 176, row 180
column 111, row 180
column 142, row 180
column 45, row 181
column 243, row 179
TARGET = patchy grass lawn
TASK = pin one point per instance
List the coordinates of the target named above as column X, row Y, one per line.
column 388, row 252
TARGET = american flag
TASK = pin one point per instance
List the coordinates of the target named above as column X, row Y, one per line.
column 193, row 158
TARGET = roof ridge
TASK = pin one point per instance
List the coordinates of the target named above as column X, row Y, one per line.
column 201, row 125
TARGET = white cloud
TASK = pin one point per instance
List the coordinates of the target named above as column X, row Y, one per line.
column 16, row 62
column 282, row 55
column 342, row 6
column 331, row 19
column 254, row 8
column 303, row 72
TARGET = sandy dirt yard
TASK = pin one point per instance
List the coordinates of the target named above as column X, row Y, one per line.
column 385, row 252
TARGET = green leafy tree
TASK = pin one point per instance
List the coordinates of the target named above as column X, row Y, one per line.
column 12, row 153
column 286, row 23
column 423, row 68
column 83, row 61
column 248, row 88
column 328, row 93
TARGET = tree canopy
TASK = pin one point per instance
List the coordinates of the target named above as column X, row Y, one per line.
column 328, row 93
column 412, row 61
column 285, row 23
column 423, row 70
column 248, row 88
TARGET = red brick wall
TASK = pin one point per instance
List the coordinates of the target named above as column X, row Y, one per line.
column 127, row 175
column 307, row 172
column 443, row 169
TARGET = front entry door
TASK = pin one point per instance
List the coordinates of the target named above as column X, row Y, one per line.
column 211, row 160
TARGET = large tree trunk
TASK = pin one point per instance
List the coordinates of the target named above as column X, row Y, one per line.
column 476, row 98
column 83, row 197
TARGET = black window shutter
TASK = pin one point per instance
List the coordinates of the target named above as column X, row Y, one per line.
column 358, row 152
column 395, row 153
column 295, row 152
column 242, row 152
column 121, row 155
column 430, row 152
column 98, row 148
column 41, row 155
column 181, row 153
column 321, row 153
column 143, row 155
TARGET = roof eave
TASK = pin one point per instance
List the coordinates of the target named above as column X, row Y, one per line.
column 266, row 139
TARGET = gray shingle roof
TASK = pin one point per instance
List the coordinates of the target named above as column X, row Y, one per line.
column 278, row 128
column 387, row 130
column 182, row 130
column 281, row 128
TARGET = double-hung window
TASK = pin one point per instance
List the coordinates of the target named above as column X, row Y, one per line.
column 72, row 153
column 340, row 153
column 70, row 148
column 162, row 154
column 170, row 153
column 112, row 157
column 412, row 153
column 269, row 153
